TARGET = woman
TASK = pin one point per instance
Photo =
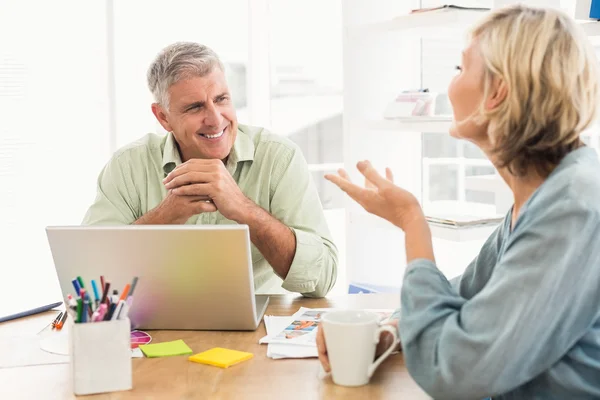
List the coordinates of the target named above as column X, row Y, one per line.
column 523, row 321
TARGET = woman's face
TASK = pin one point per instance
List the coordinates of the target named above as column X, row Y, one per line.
column 466, row 94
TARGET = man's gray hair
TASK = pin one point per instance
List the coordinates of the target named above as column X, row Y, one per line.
column 176, row 62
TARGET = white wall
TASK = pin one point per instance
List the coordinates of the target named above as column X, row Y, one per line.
column 53, row 133
column 144, row 27
column 376, row 68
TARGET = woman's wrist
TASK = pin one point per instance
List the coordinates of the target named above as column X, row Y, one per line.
column 418, row 239
column 410, row 217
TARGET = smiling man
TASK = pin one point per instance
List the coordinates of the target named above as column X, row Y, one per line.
column 210, row 170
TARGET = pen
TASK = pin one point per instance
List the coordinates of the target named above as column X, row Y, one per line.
column 76, row 286
column 118, row 310
column 133, row 285
column 95, row 289
column 84, row 297
column 129, row 300
column 113, row 305
column 57, row 319
column 61, row 322
column 105, row 293
column 84, row 312
column 102, row 281
column 86, row 300
column 125, row 291
column 111, row 311
column 79, row 307
column 99, row 313
column 87, row 295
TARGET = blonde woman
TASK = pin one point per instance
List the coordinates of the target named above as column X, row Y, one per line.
column 523, row 321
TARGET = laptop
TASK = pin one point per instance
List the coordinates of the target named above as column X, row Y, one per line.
column 196, row 277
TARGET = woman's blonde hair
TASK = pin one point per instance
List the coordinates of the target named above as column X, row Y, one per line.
column 551, row 73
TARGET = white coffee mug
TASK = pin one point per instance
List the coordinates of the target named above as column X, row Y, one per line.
column 351, row 337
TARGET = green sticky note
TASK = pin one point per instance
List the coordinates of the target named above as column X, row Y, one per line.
column 166, row 349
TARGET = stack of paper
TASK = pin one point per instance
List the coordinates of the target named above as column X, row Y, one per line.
column 461, row 221
column 295, row 336
column 278, row 350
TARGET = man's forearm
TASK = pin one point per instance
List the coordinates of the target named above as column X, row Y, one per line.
column 151, row 219
column 156, row 217
column 275, row 241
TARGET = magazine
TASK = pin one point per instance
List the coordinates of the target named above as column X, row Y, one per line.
column 303, row 325
column 459, row 221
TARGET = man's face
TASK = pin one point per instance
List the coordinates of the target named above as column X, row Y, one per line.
column 201, row 117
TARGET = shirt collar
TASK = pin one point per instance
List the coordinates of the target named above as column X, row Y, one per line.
column 583, row 155
column 171, row 157
column 243, row 150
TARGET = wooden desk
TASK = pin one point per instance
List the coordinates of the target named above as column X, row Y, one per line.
column 258, row 378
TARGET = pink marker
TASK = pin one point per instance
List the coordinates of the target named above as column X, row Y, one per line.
column 99, row 313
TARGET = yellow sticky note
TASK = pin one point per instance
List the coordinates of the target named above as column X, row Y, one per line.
column 220, row 357
column 174, row 348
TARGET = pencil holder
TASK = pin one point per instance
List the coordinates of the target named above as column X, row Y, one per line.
column 100, row 356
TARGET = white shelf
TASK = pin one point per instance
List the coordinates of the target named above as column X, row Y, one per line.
column 439, row 22
column 412, row 124
column 591, row 28
column 423, row 23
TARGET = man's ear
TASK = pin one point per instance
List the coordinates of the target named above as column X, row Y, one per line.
column 161, row 116
column 498, row 94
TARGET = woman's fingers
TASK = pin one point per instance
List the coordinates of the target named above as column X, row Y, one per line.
column 371, row 174
column 344, row 174
column 389, row 175
column 354, row 191
column 322, row 350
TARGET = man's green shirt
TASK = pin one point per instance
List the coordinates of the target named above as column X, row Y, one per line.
column 269, row 169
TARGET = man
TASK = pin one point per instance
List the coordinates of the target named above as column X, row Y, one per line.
column 210, row 170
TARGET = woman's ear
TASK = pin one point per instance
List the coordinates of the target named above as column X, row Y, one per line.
column 498, row 94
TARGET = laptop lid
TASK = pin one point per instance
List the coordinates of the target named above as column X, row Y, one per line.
column 196, row 277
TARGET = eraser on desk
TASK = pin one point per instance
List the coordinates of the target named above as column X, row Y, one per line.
column 220, row 357
column 166, row 349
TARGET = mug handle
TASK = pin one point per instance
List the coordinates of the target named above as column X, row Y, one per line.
column 376, row 363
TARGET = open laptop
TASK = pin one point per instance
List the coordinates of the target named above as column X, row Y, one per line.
column 190, row 277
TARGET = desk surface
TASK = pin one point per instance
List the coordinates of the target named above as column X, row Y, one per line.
column 177, row 378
